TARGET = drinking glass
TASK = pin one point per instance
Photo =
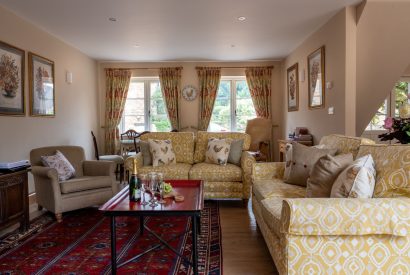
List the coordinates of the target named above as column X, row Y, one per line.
column 143, row 179
column 153, row 187
column 161, row 187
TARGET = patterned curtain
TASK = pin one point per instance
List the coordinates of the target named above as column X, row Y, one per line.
column 117, row 83
column 260, row 87
column 208, row 87
column 170, row 79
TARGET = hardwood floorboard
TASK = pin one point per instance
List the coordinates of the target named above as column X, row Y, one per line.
column 244, row 249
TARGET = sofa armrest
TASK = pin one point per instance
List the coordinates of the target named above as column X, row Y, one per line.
column 247, row 162
column 129, row 162
column 95, row 168
column 331, row 216
column 268, row 170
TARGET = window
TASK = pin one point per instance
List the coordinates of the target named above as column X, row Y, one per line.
column 390, row 106
column 145, row 108
column 233, row 106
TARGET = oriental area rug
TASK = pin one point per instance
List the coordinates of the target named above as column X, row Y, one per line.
column 80, row 244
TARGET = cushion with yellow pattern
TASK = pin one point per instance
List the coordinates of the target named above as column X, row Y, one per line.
column 162, row 152
column 218, row 151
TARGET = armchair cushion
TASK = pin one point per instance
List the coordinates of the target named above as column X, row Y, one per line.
column 346, row 216
column 85, row 183
column 214, row 172
column 59, row 162
column 98, row 168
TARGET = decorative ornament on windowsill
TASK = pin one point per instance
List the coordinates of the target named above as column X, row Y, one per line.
column 189, row 92
column 399, row 128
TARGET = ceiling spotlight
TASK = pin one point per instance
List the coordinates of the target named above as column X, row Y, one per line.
column 137, row 45
column 112, row 19
column 241, row 18
column 232, row 46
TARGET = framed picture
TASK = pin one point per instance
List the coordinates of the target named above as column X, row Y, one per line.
column 293, row 88
column 11, row 80
column 316, row 78
column 41, row 84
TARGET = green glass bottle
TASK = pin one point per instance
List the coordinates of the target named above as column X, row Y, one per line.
column 134, row 186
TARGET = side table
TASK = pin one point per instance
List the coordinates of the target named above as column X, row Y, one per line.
column 282, row 146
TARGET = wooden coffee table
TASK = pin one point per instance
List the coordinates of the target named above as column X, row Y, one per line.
column 120, row 205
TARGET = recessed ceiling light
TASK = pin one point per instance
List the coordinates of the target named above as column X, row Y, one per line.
column 241, row 18
column 112, row 19
column 233, row 46
column 137, row 45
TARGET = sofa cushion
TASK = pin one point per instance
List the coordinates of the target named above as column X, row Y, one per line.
column 215, row 172
column 162, row 152
column 217, row 151
column 172, row 171
column 182, row 143
column 392, row 164
column 271, row 209
column 59, row 162
column 203, row 137
column 235, row 152
column 85, row 183
column 225, row 189
column 276, row 188
column 345, row 144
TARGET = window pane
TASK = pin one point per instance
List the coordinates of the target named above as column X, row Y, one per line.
column 159, row 117
column 221, row 114
column 244, row 106
column 377, row 121
column 134, row 109
column 401, row 90
column 136, row 90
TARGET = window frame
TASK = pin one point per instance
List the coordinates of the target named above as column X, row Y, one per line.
column 233, row 100
column 147, row 102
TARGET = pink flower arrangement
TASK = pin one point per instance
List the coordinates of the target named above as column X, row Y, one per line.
column 399, row 129
column 388, row 123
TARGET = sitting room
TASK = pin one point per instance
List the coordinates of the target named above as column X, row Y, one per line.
column 205, row 137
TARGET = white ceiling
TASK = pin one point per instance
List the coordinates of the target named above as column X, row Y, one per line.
column 180, row 29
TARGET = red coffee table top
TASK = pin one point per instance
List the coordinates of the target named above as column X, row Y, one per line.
column 192, row 190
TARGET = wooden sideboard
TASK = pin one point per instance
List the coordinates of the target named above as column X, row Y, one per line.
column 14, row 199
column 282, row 146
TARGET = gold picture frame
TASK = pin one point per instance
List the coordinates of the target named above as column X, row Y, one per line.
column 12, row 67
column 316, row 78
column 293, row 87
column 41, row 86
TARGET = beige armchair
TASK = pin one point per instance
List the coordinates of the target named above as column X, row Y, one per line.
column 93, row 184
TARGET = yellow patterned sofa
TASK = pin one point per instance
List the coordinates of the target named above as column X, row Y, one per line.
column 230, row 181
column 338, row 236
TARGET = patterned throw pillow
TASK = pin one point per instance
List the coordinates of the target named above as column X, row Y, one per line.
column 59, row 162
column 218, row 151
column 357, row 180
column 162, row 152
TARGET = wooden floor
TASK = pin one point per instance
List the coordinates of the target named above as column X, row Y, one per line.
column 244, row 249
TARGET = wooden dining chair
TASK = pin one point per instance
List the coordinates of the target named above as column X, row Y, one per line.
column 119, row 160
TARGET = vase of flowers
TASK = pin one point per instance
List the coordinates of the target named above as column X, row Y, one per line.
column 399, row 128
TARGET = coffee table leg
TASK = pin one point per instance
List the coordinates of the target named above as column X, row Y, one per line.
column 141, row 225
column 194, row 248
column 113, row 245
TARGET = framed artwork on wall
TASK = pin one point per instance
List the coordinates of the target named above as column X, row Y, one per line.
column 41, row 84
column 316, row 78
column 293, row 88
column 11, row 80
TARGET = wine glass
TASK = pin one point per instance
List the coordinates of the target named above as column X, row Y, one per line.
column 161, row 187
column 143, row 179
column 153, row 187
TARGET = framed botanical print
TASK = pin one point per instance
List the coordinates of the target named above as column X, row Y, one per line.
column 316, row 78
column 293, row 88
column 11, row 80
column 41, row 84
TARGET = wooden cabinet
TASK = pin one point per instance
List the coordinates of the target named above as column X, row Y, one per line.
column 282, row 146
column 14, row 199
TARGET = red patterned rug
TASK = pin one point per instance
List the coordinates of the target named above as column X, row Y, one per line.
column 80, row 244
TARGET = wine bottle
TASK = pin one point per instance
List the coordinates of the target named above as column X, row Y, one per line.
column 134, row 186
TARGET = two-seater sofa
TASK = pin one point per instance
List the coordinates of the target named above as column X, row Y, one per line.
column 338, row 236
column 220, row 181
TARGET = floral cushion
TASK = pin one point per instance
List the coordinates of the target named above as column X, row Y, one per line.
column 218, row 151
column 59, row 162
column 357, row 180
column 162, row 152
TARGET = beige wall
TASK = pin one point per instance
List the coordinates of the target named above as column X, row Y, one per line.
column 76, row 103
column 332, row 36
column 383, row 54
column 190, row 109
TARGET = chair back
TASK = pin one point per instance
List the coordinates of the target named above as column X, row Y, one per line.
column 97, row 155
column 260, row 130
column 129, row 134
column 74, row 154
